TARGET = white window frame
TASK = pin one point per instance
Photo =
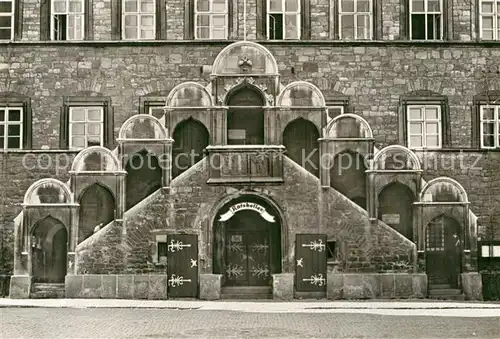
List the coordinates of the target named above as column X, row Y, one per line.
column 12, row 18
column 496, row 19
column 284, row 12
column 138, row 14
column 6, row 123
column 68, row 14
column 356, row 14
column 495, row 121
column 86, row 121
column 423, row 123
column 211, row 15
column 426, row 12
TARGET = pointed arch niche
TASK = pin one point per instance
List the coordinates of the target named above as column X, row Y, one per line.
column 446, row 197
column 395, row 165
column 46, row 200
column 98, row 165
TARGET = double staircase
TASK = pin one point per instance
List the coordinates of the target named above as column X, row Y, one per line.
column 47, row 291
column 445, row 292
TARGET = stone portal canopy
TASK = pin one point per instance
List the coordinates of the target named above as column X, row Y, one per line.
column 48, row 191
column 244, row 57
column 189, row 94
column 143, row 127
column 443, row 189
column 348, row 126
column 301, row 94
column 96, row 159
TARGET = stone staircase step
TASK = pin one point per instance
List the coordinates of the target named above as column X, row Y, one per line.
column 445, row 291
column 247, row 292
column 438, row 286
column 47, row 291
column 459, row 297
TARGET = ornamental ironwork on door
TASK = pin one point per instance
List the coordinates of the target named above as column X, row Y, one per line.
column 310, row 262
column 182, row 258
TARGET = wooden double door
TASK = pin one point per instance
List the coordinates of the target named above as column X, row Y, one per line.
column 250, row 249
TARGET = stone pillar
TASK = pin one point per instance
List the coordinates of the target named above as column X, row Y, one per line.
column 283, row 286
column 210, row 286
column 472, row 286
column 20, row 287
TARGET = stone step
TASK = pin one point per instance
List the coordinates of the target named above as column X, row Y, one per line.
column 246, row 292
column 47, row 291
column 439, row 286
column 459, row 297
column 445, row 291
column 246, row 296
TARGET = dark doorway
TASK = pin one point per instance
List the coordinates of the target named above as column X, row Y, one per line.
column 245, row 118
column 49, row 249
column 143, row 177
column 347, row 175
column 395, row 208
column 442, row 252
column 97, row 209
column 301, row 141
column 190, row 140
column 247, row 247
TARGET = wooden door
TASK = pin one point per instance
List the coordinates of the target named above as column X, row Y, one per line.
column 310, row 262
column 182, row 265
column 301, row 141
column 190, row 140
column 443, row 248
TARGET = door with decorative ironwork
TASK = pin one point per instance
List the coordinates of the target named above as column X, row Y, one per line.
column 247, row 251
column 443, row 248
column 182, row 259
column 310, row 262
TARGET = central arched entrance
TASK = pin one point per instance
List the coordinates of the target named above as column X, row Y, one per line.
column 247, row 242
column 49, row 248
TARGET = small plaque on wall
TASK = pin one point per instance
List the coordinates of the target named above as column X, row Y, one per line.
column 391, row 219
column 236, row 238
column 238, row 134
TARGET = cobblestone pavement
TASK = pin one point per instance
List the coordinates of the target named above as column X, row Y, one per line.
column 162, row 323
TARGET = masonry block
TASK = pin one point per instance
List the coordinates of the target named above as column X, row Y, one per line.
column 335, row 286
column 210, row 286
column 20, row 287
column 472, row 286
column 283, row 285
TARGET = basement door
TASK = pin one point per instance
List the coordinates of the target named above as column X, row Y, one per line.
column 248, row 251
column 182, row 265
column 443, row 248
column 310, row 259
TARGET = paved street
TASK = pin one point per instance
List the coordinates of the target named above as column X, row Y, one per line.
column 144, row 322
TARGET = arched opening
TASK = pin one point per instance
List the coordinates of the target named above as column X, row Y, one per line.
column 247, row 243
column 301, row 141
column 97, row 209
column 347, row 176
column 49, row 249
column 190, row 140
column 395, row 208
column 442, row 252
column 245, row 117
column 144, row 176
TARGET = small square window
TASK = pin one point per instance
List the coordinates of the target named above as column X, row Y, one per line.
column 330, row 245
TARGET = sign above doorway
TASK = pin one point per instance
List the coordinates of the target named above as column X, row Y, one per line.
column 247, row 206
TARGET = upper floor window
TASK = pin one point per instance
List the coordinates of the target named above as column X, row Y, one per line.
column 489, row 21
column 283, row 19
column 67, row 20
column 490, row 126
column 6, row 19
column 211, row 19
column 11, row 127
column 86, row 125
column 426, row 19
column 424, row 126
column 424, row 120
column 138, row 19
column 86, row 121
column 355, row 19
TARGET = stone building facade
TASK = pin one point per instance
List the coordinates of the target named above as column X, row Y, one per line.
column 212, row 149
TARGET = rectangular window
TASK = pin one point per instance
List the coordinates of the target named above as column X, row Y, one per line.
column 283, row 19
column 86, row 127
column 11, row 128
column 6, row 20
column 426, row 19
column 138, row 19
column 211, row 19
column 424, row 126
column 330, row 245
column 67, row 22
column 490, row 126
column 355, row 19
column 489, row 20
